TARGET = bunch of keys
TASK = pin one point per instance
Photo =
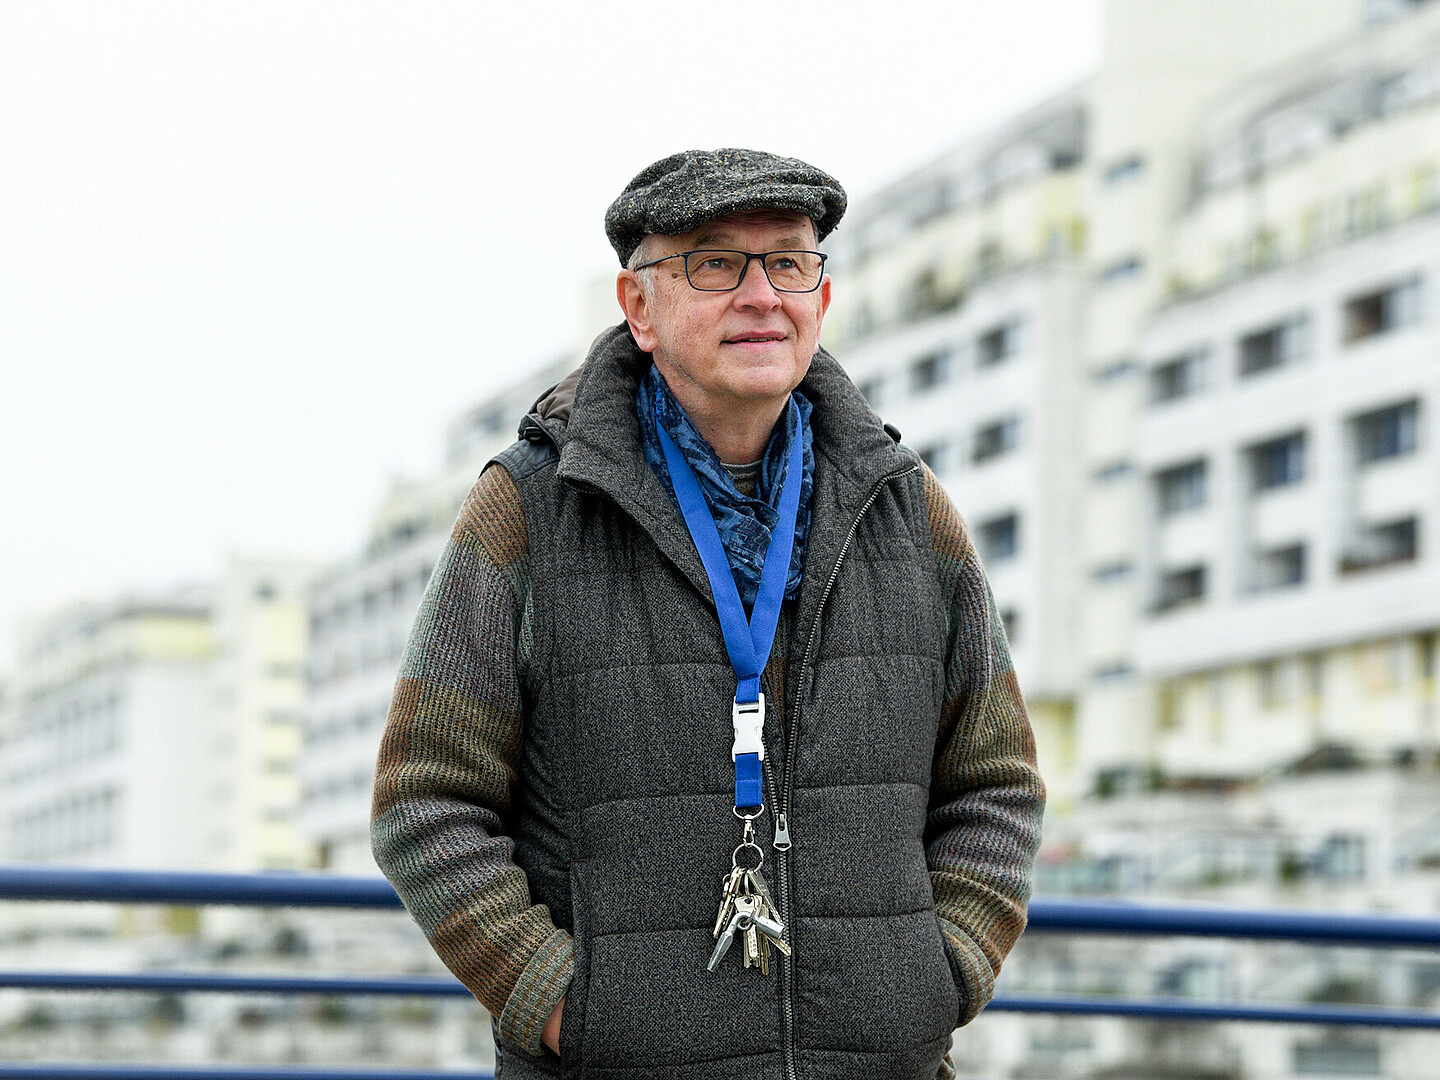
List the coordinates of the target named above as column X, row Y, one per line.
column 747, row 910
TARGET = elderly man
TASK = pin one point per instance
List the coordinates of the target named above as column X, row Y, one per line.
column 706, row 757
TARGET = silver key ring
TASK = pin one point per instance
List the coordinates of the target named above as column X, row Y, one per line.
column 759, row 854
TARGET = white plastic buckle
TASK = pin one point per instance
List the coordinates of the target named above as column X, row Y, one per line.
column 748, row 718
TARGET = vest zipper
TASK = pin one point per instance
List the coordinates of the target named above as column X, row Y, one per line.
column 792, row 723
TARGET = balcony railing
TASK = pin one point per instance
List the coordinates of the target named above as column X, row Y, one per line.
column 309, row 890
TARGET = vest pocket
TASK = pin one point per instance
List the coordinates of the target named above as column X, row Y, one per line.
column 651, row 1001
column 873, row 983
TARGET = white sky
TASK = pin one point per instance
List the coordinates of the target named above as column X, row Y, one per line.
column 254, row 256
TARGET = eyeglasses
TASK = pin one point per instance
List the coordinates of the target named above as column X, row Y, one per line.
column 720, row 271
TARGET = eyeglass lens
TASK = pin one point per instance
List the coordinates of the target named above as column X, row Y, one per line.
column 719, row 271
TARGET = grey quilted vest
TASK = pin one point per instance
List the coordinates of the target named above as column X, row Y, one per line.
column 624, row 824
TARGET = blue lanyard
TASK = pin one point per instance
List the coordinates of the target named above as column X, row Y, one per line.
column 747, row 641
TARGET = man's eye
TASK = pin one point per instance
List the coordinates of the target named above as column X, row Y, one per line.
column 715, row 262
column 783, row 262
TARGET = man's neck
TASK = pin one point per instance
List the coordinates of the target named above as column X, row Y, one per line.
column 738, row 435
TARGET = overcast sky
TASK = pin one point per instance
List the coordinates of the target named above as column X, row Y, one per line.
column 254, row 256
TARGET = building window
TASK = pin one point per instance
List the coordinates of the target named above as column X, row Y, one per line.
column 928, row 295
column 1312, row 668
column 870, row 391
column 997, row 344
column 1178, row 377
column 929, row 372
column 1386, row 433
column 1381, row 311
column 994, row 439
column 1280, row 568
column 1274, row 346
column 1125, row 169
column 1342, row 857
column 999, row 538
column 1114, row 472
column 935, row 456
column 1273, row 684
column 1112, row 573
column 1117, row 371
column 1180, row 587
column 989, row 258
column 1167, row 706
column 1336, row 1057
column 1010, row 619
column 1180, row 488
column 1122, row 270
column 1382, row 545
column 1378, row 666
column 1277, row 462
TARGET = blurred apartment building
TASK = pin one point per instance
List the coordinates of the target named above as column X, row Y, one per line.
column 361, row 612
column 1169, row 338
column 958, row 314
column 163, row 731
column 160, row 730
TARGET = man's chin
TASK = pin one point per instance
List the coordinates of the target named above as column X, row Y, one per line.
column 770, row 385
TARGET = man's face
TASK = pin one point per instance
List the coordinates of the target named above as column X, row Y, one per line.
column 724, row 351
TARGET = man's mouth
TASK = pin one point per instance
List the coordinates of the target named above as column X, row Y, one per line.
column 740, row 339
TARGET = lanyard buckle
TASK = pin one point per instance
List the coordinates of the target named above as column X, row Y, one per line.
column 748, row 718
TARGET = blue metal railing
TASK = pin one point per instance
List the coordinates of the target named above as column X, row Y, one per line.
column 307, row 890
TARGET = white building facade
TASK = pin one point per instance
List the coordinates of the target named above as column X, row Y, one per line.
column 1289, row 442
column 113, row 708
column 958, row 295
column 161, row 730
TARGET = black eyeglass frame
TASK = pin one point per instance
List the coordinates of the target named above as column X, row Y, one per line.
column 759, row 255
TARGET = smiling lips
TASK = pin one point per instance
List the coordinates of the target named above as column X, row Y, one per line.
column 758, row 338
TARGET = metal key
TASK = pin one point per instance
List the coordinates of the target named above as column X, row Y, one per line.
column 771, row 932
column 748, row 905
column 767, row 918
column 771, row 928
column 726, row 938
column 755, row 883
column 729, row 889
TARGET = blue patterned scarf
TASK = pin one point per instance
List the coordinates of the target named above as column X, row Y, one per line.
column 744, row 523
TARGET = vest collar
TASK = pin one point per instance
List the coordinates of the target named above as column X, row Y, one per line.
column 600, row 448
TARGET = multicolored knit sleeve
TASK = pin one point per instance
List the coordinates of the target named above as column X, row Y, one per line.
column 986, row 797
column 448, row 771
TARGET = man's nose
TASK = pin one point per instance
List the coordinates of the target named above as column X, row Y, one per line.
column 755, row 289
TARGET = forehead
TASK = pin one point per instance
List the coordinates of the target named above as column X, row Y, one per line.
column 776, row 228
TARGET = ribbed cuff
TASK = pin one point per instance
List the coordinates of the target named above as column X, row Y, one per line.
column 538, row 990
column 974, row 976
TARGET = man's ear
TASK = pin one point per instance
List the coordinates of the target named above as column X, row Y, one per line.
column 636, row 305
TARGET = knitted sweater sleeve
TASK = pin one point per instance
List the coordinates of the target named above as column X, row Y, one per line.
column 447, row 772
column 986, row 797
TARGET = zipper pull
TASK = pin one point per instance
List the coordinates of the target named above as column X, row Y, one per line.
column 782, row 833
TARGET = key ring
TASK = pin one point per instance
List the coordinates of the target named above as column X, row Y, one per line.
column 759, row 854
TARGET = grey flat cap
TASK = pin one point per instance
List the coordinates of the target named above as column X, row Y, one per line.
column 685, row 190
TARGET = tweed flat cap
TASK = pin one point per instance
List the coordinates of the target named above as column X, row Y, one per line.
column 685, row 190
